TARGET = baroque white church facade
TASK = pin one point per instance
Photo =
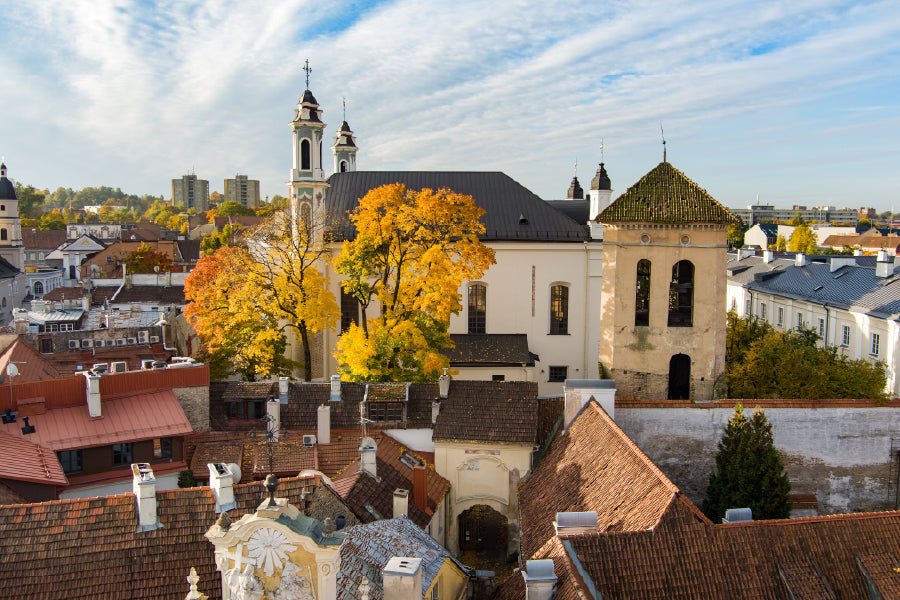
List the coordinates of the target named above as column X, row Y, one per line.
column 534, row 315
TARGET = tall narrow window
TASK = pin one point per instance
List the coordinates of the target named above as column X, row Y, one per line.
column 876, row 344
column 681, row 295
column 343, row 166
column 642, row 294
column 845, row 335
column 305, row 160
column 349, row 311
column 477, row 308
column 559, row 310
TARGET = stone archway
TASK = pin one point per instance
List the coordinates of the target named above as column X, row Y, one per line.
column 484, row 531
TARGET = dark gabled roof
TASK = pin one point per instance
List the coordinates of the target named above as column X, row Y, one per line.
column 490, row 350
column 512, row 212
column 489, row 411
column 34, row 238
column 189, row 249
column 577, row 210
column 665, row 195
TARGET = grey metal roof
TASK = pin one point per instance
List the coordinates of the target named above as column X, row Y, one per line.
column 577, row 210
column 491, row 349
column 367, row 549
column 512, row 212
column 850, row 286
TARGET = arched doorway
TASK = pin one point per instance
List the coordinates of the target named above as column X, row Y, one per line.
column 484, row 531
column 680, row 377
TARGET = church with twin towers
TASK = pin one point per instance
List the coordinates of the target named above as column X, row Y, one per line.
column 584, row 288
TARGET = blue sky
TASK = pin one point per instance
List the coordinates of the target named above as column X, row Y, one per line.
column 796, row 101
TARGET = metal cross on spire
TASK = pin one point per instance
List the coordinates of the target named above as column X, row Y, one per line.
column 307, row 68
column 576, row 166
column 344, row 101
column 601, row 149
column 663, row 136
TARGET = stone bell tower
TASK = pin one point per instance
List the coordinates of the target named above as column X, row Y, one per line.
column 307, row 184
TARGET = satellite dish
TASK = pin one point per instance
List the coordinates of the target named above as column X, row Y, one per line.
column 12, row 370
column 235, row 472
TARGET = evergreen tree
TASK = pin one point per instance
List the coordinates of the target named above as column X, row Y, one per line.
column 749, row 471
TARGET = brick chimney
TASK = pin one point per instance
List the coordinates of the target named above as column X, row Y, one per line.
column 420, row 490
column 540, row 579
column 143, row 483
column 92, row 389
column 323, row 431
column 221, row 481
column 402, row 578
column 401, row 502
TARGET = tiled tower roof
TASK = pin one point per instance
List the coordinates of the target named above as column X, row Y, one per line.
column 665, row 195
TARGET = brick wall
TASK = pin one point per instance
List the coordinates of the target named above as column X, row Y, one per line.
column 838, row 450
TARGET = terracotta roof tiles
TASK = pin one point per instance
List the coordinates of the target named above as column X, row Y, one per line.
column 489, row 411
column 25, row 461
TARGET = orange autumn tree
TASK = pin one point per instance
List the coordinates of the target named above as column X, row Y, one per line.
column 411, row 252
column 145, row 258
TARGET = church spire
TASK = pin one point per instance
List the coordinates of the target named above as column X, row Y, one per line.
column 344, row 147
column 307, row 181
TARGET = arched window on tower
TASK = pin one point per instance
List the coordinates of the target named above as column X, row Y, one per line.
column 559, row 309
column 642, row 294
column 305, row 155
column 681, row 295
column 343, row 166
column 477, row 308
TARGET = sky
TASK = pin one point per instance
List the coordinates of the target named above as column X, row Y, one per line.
column 794, row 102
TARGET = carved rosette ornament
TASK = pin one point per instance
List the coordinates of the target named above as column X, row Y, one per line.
column 269, row 548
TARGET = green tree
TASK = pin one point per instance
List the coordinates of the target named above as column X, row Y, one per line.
column 749, row 471
column 234, row 209
column 736, row 233
column 411, row 252
column 52, row 220
column 31, row 201
column 802, row 240
column 763, row 363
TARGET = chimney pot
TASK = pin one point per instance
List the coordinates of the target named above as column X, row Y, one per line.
column 324, row 424
column 401, row 502
column 143, row 483
column 221, row 482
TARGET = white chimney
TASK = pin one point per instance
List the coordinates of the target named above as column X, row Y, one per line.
column 93, row 393
column 768, row 256
column 444, row 385
column 335, row 388
column 579, row 392
column 221, row 482
column 402, row 578
column 435, row 411
column 401, row 502
column 858, row 252
column 21, row 322
column 540, row 579
column 367, row 451
column 283, row 389
column 143, row 483
column 86, row 302
column 273, row 412
column 884, row 265
column 745, row 253
column 323, row 431
column 800, row 260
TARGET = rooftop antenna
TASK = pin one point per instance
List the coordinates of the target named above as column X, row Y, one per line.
column 662, row 134
column 307, row 69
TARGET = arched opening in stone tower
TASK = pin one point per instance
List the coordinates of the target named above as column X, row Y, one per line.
column 680, row 377
column 484, row 531
column 681, row 295
column 642, row 294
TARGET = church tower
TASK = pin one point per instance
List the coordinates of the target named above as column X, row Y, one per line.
column 662, row 304
column 344, row 149
column 307, row 183
column 599, row 196
column 10, row 227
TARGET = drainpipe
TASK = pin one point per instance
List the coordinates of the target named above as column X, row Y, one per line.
column 827, row 322
column 587, row 312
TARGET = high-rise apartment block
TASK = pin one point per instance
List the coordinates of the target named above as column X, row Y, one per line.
column 242, row 190
column 191, row 192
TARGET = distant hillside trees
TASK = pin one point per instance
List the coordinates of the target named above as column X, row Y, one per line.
column 749, row 471
column 761, row 362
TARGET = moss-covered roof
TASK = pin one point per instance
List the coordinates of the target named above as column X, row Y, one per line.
column 665, row 195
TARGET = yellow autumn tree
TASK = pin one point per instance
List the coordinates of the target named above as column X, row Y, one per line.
column 803, row 239
column 244, row 298
column 412, row 250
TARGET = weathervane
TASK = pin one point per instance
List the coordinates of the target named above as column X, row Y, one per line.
column 307, row 68
column 662, row 134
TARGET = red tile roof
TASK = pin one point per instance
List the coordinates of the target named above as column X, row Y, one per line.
column 125, row 418
column 27, row 461
column 31, row 364
column 489, row 411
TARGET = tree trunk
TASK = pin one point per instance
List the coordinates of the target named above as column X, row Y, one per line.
column 307, row 354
